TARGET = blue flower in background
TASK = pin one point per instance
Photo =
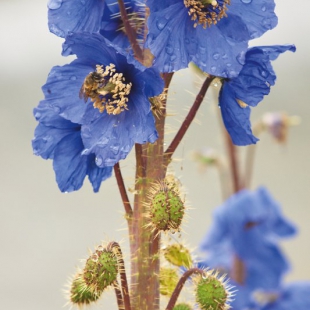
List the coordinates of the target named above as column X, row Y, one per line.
column 105, row 96
column 248, row 89
column 59, row 139
column 212, row 34
column 65, row 16
column 248, row 226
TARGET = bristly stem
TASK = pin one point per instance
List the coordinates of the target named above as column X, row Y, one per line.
column 124, row 283
column 119, row 297
column 131, row 34
column 180, row 285
column 189, row 118
column 122, row 190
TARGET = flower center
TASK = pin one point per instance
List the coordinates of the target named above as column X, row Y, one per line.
column 206, row 12
column 107, row 89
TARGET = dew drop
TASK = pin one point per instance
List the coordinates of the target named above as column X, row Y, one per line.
column 54, row 4
column 85, row 152
column 103, row 142
column 161, row 23
column 263, row 73
column 216, row 56
column 228, row 64
column 54, row 29
column 56, row 109
column 169, row 50
column 246, row 1
column 202, row 50
column 115, row 148
column 263, row 8
column 213, row 68
column 173, row 57
column 99, row 160
column 73, row 78
column 37, row 115
column 241, row 58
column 267, row 23
column 224, row 56
column 69, row 13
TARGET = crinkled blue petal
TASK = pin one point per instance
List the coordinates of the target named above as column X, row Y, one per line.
column 236, row 118
column 111, row 137
column 218, row 49
column 65, row 16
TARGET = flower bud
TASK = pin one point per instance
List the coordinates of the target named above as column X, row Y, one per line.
column 178, row 255
column 80, row 294
column 101, row 270
column 166, row 208
column 182, row 306
column 212, row 292
column 168, row 280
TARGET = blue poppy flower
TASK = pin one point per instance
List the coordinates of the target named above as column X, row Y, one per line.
column 106, row 96
column 292, row 296
column 248, row 225
column 248, row 89
column 65, row 16
column 212, row 34
column 59, row 139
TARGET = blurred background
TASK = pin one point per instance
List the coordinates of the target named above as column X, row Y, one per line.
column 45, row 233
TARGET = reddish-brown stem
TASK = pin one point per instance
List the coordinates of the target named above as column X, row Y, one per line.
column 122, row 190
column 180, row 285
column 124, row 283
column 131, row 34
column 119, row 297
column 188, row 120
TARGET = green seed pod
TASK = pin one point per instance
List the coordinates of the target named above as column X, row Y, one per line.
column 101, row 270
column 178, row 255
column 80, row 294
column 166, row 208
column 212, row 292
column 182, row 306
column 168, row 280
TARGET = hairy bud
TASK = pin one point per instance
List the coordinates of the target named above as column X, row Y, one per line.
column 182, row 306
column 178, row 255
column 168, row 280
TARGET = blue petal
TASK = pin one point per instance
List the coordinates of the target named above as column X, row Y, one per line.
column 69, row 165
column 97, row 175
column 65, row 16
column 235, row 117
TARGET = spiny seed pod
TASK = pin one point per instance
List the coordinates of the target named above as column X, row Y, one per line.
column 80, row 294
column 166, row 208
column 168, row 280
column 101, row 269
column 213, row 292
column 182, row 306
column 178, row 255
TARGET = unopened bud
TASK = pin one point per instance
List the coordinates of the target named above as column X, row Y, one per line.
column 182, row 306
column 168, row 280
column 101, row 270
column 178, row 255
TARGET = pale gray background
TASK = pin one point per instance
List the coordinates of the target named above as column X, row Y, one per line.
column 44, row 233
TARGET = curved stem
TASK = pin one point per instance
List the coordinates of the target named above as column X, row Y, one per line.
column 132, row 36
column 122, row 190
column 188, row 120
column 124, row 283
column 180, row 285
column 119, row 297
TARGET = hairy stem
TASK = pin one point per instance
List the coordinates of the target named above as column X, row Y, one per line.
column 122, row 190
column 188, row 120
column 119, row 296
column 180, row 285
column 131, row 34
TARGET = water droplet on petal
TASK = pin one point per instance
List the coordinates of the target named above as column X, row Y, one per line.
column 37, row 115
column 263, row 73
column 54, row 29
column 99, row 160
column 73, row 78
column 85, row 152
column 56, row 109
column 263, row 8
column 216, row 56
column 103, row 142
column 115, row 148
column 54, row 4
column 267, row 23
column 246, row 1
column 161, row 23
column 169, row 49
column 241, row 58
column 213, row 68
column 202, row 50
column 69, row 13
column 228, row 65
column 224, row 56
column 173, row 57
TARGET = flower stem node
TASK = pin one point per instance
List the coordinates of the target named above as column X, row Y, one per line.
column 107, row 89
column 80, row 294
column 212, row 292
column 101, row 270
column 182, row 306
column 166, row 208
column 178, row 255
column 168, row 280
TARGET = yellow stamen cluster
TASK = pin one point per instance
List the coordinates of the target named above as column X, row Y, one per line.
column 106, row 81
column 158, row 103
column 205, row 12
